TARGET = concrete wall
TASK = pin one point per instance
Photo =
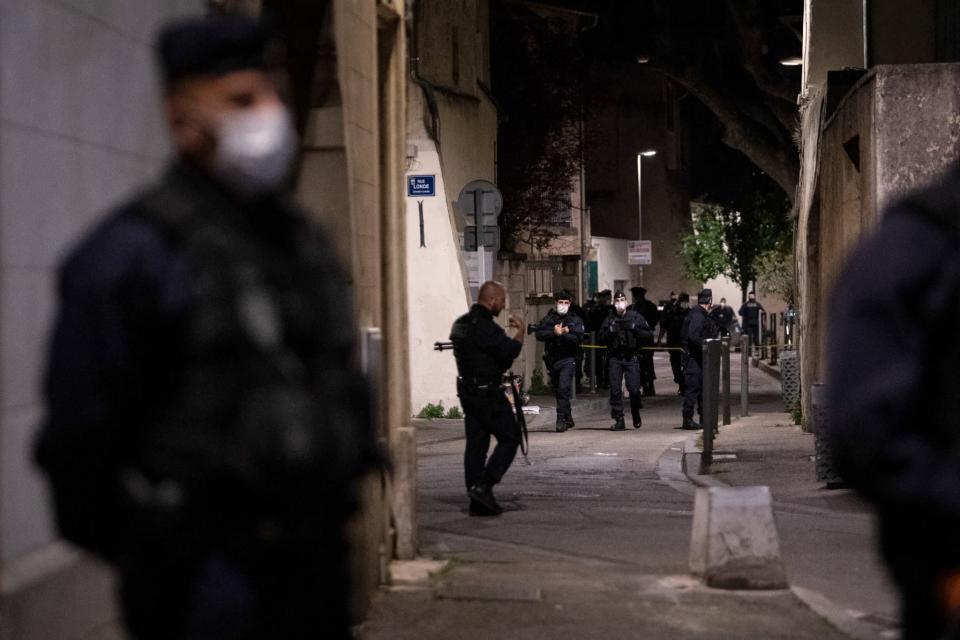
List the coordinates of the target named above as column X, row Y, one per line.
column 611, row 263
column 833, row 38
column 904, row 123
column 450, row 35
column 80, row 128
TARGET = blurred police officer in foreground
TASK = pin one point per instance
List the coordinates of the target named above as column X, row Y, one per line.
column 697, row 328
column 651, row 314
column 484, row 352
column 206, row 428
column 624, row 332
column 894, row 408
column 673, row 323
column 602, row 311
column 561, row 331
column 668, row 308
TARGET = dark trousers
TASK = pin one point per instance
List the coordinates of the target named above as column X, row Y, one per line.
column 488, row 414
column 676, row 364
column 298, row 590
column 647, row 374
column 753, row 330
column 578, row 376
column 692, row 388
column 561, row 379
column 627, row 369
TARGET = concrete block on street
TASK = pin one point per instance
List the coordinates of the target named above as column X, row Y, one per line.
column 415, row 573
column 735, row 543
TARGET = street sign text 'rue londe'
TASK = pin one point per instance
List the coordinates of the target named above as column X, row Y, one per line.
column 421, row 186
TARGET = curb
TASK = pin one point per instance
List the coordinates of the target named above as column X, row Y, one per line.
column 773, row 372
column 845, row 621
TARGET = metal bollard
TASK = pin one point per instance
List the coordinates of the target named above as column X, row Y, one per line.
column 593, row 362
column 774, row 348
column 725, row 379
column 711, row 397
column 744, row 376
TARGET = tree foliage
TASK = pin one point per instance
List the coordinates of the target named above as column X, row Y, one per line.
column 743, row 244
column 536, row 63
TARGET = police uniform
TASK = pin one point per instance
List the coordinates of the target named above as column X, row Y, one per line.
column 723, row 318
column 893, row 406
column 484, row 352
column 560, row 357
column 624, row 336
column 206, row 429
column 674, row 329
column 750, row 312
column 651, row 314
column 698, row 327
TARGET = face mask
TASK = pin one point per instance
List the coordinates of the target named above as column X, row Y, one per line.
column 255, row 149
column 684, row 305
column 620, row 306
column 563, row 307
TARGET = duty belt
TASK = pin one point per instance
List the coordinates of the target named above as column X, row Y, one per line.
column 482, row 384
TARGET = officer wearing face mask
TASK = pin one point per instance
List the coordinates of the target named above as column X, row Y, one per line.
column 206, row 428
column 723, row 317
column 625, row 333
column 561, row 331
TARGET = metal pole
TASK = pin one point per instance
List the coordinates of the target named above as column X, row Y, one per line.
column 639, row 197
column 593, row 362
column 776, row 342
column 725, row 379
column 744, row 376
column 711, row 392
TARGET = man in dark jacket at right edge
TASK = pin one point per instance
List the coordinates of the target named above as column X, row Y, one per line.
column 894, row 406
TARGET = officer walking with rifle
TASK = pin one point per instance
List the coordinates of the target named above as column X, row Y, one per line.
column 484, row 352
column 561, row 331
column 625, row 333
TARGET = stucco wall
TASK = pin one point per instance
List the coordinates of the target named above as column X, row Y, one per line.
column 80, row 128
column 611, row 262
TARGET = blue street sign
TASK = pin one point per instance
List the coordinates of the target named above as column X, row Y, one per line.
column 421, row 186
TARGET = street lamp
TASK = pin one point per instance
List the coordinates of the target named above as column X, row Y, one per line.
column 640, row 156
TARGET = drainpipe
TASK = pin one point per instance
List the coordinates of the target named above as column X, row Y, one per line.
column 432, row 123
column 866, row 34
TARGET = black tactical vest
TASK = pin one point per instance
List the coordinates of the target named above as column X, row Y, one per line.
column 474, row 365
column 266, row 417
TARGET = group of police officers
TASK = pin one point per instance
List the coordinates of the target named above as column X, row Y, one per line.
column 625, row 333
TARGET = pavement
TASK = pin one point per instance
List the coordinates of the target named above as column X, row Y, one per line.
column 595, row 540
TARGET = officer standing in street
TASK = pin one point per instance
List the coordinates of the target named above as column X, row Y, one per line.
column 651, row 314
column 893, row 407
column 484, row 352
column 697, row 329
column 600, row 312
column 206, row 427
column 750, row 312
column 674, row 328
column 668, row 308
column 625, row 332
column 561, row 331
column 723, row 317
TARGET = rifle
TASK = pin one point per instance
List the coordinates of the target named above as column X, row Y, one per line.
column 514, row 397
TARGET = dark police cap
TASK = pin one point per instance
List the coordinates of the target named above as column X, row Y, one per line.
column 606, row 292
column 619, row 295
column 214, row 45
column 563, row 294
column 638, row 291
column 683, row 297
column 705, row 296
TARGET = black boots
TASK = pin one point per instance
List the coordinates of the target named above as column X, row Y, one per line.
column 690, row 425
column 564, row 423
column 482, row 502
column 619, row 425
column 637, row 422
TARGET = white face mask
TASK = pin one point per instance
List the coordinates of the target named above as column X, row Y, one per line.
column 620, row 306
column 563, row 307
column 255, row 149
